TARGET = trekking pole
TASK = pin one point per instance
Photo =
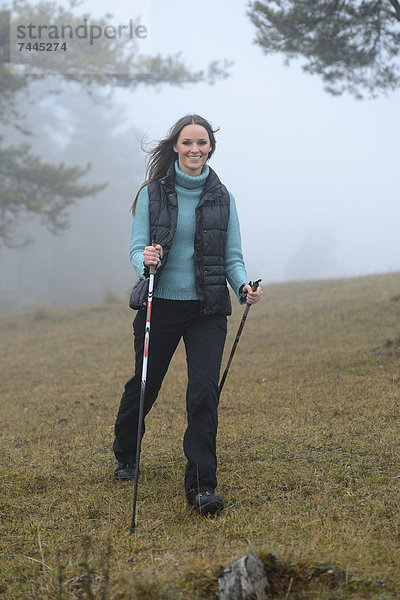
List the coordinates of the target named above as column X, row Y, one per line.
column 143, row 389
column 254, row 286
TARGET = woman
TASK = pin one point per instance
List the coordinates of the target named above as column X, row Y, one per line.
column 192, row 217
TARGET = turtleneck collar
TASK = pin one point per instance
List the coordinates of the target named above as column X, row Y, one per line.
column 189, row 182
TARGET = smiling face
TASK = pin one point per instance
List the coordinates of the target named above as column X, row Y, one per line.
column 193, row 146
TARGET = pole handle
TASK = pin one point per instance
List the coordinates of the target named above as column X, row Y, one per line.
column 152, row 268
column 254, row 285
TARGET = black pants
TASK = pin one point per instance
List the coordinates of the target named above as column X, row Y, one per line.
column 204, row 339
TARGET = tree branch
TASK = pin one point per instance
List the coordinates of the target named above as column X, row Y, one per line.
column 396, row 7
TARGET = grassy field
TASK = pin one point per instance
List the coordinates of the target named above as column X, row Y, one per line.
column 309, row 453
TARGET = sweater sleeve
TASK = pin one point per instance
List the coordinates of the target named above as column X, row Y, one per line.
column 140, row 231
column 234, row 264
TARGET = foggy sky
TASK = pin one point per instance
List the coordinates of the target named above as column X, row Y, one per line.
column 315, row 177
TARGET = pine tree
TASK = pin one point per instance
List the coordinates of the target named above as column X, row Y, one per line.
column 354, row 45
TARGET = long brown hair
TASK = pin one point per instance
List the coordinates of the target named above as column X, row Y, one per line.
column 163, row 155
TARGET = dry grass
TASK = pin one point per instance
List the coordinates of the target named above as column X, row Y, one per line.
column 308, row 453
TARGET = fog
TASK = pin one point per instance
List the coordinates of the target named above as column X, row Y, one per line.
column 315, row 177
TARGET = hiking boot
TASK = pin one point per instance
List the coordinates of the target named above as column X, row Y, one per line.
column 206, row 502
column 124, row 471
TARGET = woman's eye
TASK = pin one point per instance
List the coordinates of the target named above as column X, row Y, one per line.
column 186, row 143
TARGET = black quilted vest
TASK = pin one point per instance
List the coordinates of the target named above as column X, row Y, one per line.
column 212, row 218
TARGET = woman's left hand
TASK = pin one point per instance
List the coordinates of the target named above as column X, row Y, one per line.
column 252, row 297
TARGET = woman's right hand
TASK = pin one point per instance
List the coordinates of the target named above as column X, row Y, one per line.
column 152, row 255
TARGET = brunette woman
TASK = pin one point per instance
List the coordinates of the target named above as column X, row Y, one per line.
column 189, row 213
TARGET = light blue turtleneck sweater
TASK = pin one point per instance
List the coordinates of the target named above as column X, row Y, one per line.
column 177, row 280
